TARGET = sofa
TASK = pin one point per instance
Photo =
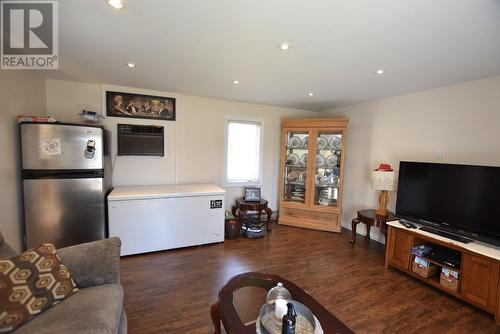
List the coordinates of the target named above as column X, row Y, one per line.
column 98, row 305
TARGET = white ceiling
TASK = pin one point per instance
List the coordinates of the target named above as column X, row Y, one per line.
column 199, row 47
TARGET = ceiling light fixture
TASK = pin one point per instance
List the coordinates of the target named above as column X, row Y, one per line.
column 131, row 65
column 236, row 82
column 310, row 94
column 118, row 4
column 285, row 46
column 380, row 71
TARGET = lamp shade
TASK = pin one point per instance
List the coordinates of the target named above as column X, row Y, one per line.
column 383, row 180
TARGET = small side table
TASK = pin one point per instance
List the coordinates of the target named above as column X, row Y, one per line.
column 370, row 218
column 241, row 208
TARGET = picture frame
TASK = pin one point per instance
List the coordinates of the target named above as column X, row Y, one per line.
column 131, row 105
column 252, row 194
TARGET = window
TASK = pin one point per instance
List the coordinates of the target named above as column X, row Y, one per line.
column 243, row 154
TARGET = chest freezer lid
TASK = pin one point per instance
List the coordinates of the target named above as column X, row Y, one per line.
column 163, row 191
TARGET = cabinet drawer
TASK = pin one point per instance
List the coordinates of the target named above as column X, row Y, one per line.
column 325, row 221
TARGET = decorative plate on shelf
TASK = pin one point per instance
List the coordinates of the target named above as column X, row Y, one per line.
column 321, row 143
column 303, row 159
column 332, row 160
column 325, row 181
column 298, row 193
column 292, row 159
column 302, row 176
column 297, row 197
column 335, row 143
column 292, row 176
column 294, row 142
column 320, row 160
column 305, row 142
column 323, row 201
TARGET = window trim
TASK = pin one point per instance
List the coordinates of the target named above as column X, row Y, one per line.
column 243, row 119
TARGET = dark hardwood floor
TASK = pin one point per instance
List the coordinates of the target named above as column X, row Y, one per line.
column 171, row 291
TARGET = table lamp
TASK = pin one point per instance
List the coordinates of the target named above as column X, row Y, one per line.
column 383, row 178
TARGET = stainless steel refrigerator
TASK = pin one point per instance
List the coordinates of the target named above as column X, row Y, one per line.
column 64, row 183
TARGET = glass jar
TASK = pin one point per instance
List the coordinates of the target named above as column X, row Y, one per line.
column 277, row 298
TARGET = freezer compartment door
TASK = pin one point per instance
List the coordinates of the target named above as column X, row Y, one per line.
column 63, row 211
column 59, row 146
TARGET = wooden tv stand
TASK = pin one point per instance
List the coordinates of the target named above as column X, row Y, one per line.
column 478, row 273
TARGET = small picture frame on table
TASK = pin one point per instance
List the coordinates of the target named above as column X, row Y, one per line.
column 252, row 194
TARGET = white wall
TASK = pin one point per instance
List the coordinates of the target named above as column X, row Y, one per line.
column 65, row 99
column 463, row 120
column 201, row 142
column 195, row 142
column 21, row 93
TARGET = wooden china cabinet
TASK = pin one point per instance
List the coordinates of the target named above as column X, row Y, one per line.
column 312, row 173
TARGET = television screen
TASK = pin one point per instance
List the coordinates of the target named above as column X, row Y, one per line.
column 460, row 197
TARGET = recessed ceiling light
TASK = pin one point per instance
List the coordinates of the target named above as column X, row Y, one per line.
column 310, row 94
column 118, row 4
column 131, row 65
column 236, row 82
column 285, row 46
column 380, row 71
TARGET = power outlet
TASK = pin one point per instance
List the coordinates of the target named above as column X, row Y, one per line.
column 438, row 154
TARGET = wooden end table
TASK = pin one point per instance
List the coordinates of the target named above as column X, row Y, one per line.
column 241, row 208
column 370, row 218
column 226, row 308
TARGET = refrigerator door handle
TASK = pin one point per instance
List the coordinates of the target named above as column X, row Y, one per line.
column 30, row 174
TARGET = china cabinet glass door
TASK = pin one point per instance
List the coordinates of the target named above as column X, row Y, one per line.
column 296, row 163
column 328, row 156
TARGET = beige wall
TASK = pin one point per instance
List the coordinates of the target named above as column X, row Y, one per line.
column 463, row 120
column 201, row 141
column 65, row 99
column 195, row 143
column 21, row 93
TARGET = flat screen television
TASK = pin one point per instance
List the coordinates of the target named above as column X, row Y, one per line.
column 461, row 199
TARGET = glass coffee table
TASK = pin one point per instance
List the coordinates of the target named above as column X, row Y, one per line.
column 243, row 295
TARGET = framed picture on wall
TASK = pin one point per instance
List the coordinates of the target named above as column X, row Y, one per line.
column 131, row 105
column 252, row 194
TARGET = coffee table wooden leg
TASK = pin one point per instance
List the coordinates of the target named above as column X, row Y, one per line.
column 354, row 223
column 215, row 315
column 269, row 213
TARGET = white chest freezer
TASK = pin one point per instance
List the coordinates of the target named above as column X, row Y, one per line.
column 153, row 218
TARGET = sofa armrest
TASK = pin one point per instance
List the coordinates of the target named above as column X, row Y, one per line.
column 93, row 263
column 6, row 251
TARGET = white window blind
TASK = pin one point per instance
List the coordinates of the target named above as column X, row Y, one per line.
column 243, row 152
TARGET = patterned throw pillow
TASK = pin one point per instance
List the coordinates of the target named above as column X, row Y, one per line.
column 31, row 283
